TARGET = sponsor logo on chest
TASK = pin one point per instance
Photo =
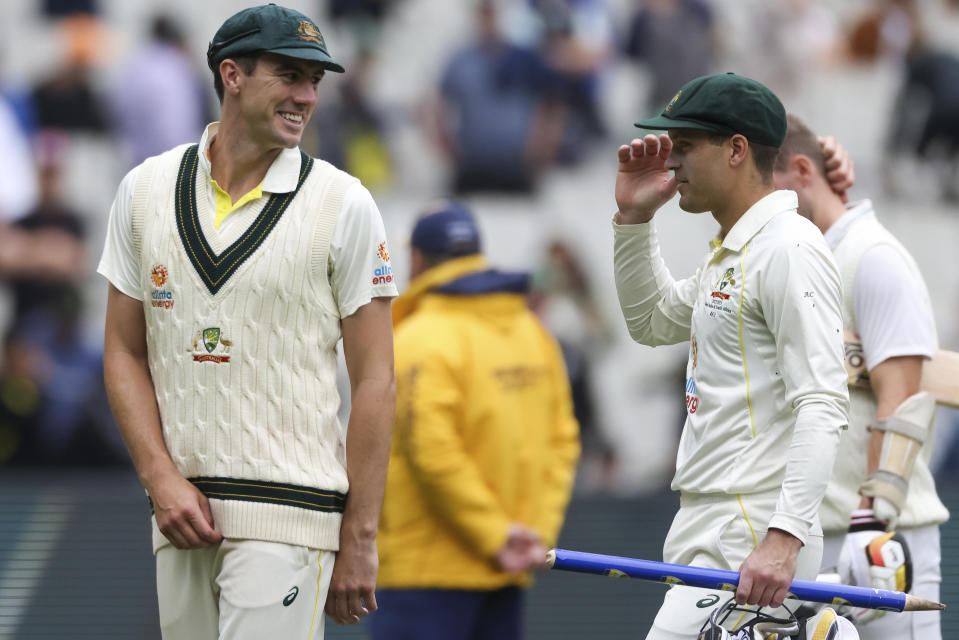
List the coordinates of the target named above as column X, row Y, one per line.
column 160, row 298
column 692, row 395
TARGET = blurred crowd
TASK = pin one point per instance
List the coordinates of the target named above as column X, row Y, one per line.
column 520, row 92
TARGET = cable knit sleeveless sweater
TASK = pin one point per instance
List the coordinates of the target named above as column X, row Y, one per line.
column 242, row 350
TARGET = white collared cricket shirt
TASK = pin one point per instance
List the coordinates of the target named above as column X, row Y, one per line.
column 766, row 386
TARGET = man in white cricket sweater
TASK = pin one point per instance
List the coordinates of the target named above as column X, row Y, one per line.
column 881, row 482
column 235, row 266
column 765, row 390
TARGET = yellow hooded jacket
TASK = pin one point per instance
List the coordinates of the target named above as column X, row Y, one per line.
column 485, row 433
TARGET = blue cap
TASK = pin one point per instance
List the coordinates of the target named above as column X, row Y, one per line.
column 447, row 229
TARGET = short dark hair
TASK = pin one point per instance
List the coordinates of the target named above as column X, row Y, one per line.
column 764, row 155
column 800, row 139
column 247, row 65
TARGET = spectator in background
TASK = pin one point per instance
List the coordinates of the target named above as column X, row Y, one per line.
column 497, row 121
column 67, row 98
column 52, row 294
column 484, row 448
column 18, row 182
column 887, row 30
column 575, row 45
column 925, row 118
column 70, row 8
column 352, row 131
column 794, row 38
column 562, row 298
column 675, row 42
column 363, row 19
column 157, row 101
column 52, row 405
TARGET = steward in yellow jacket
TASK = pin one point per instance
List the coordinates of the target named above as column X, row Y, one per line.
column 485, row 444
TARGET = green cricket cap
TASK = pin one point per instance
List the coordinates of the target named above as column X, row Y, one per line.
column 270, row 28
column 728, row 104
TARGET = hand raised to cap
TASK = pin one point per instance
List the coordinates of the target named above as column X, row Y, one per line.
column 643, row 183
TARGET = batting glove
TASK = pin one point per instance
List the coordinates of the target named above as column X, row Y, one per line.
column 874, row 557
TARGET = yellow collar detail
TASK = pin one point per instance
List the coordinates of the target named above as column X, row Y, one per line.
column 225, row 206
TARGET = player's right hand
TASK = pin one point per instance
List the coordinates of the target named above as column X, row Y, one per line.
column 183, row 513
column 768, row 571
column 643, row 183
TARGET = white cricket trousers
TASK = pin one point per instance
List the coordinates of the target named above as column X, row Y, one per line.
column 243, row 590
column 924, row 550
column 719, row 531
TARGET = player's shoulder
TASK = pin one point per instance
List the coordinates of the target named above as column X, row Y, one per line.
column 321, row 168
column 791, row 229
column 128, row 183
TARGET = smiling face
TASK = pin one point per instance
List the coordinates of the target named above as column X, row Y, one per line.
column 276, row 100
column 698, row 161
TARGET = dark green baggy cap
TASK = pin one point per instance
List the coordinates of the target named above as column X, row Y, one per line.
column 270, row 29
column 725, row 103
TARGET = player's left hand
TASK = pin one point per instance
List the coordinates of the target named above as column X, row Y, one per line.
column 768, row 571
column 353, row 584
column 840, row 172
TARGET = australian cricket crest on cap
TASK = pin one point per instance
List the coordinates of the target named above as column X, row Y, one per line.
column 308, row 31
column 160, row 298
column 210, row 345
column 669, row 107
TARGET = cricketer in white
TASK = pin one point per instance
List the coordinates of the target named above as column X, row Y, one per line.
column 765, row 366
column 881, row 502
column 766, row 384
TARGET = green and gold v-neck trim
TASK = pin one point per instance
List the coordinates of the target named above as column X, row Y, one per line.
column 215, row 270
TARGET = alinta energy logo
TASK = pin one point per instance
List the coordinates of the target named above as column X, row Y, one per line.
column 160, row 298
column 383, row 274
column 692, row 395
